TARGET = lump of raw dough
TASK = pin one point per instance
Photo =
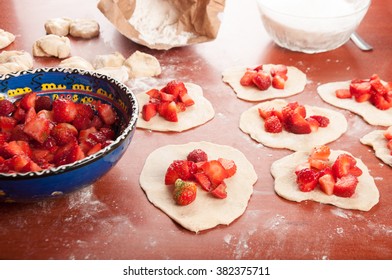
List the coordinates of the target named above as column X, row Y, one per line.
column 76, row 62
column 12, row 61
column 118, row 73
column 115, row 59
column 58, row 26
column 142, row 65
column 52, row 45
column 6, row 38
column 84, row 28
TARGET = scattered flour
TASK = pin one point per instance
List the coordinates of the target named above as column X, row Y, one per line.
column 157, row 22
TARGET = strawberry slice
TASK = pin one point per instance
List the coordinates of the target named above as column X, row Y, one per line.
column 18, row 162
column 343, row 93
column 203, row 181
column 154, row 93
column 345, row 186
column 220, row 191
column 184, row 192
column 64, row 110
column 321, row 152
column 6, row 107
column 342, row 165
column 149, row 110
column 307, row 179
column 273, row 125
column 278, row 82
column 327, row 183
column 262, row 80
column 175, row 88
column 359, row 87
column 106, row 113
column 381, row 102
column 279, row 69
column 297, row 124
column 186, row 99
column 64, row 133
column 247, row 78
column 313, row 123
column 322, row 120
column 179, row 169
column 28, row 100
column 7, row 124
column 38, row 129
column 170, row 113
column 229, row 165
column 197, row 155
column 214, row 171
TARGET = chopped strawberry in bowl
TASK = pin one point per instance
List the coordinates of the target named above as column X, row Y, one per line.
column 60, row 130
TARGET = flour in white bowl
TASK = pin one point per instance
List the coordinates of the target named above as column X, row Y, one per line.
column 157, row 23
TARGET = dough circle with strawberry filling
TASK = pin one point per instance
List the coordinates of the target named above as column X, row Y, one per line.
column 295, row 84
column 206, row 211
column 195, row 115
column 283, row 170
column 252, row 124
column 366, row 110
column 376, row 139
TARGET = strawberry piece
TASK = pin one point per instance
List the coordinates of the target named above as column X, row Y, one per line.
column 64, row 133
column 273, row 125
column 322, row 120
column 297, row 124
column 278, row 82
column 266, row 113
column 28, row 100
column 377, row 86
column 43, row 103
column 106, row 113
column 175, row 88
column 220, row 191
column 85, row 110
column 321, row 152
column 7, row 124
column 356, row 171
column 345, row 186
column 166, row 97
column 313, row 123
column 343, row 93
column 30, row 115
column 203, row 181
column 360, row 98
column 96, row 148
column 186, row 99
column 229, row 165
column 318, row 164
column 300, row 109
column 279, row 70
column 6, row 107
column 19, row 114
column 31, row 166
column 80, row 122
column 262, row 80
column 197, row 155
column 149, row 110
column 307, row 179
column 342, row 165
column 327, row 183
column 247, row 78
column 179, row 169
column 17, row 162
column 359, row 87
column 38, row 129
column 171, row 112
column 214, row 171
column 64, row 110
column 96, row 122
column 154, row 93
column 68, row 153
column 184, row 192
column 388, row 133
column 181, row 107
column 381, row 102
column 14, row 148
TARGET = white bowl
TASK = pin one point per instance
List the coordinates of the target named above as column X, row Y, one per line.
column 311, row 26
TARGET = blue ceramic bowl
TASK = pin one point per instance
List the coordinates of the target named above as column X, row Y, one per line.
column 84, row 87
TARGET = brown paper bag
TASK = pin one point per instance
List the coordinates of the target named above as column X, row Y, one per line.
column 164, row 24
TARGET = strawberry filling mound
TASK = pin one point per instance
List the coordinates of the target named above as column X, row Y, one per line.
column 388, row 137
column 373, row 90
column 338, row 178
column 167, row 102
column 37, row 133
column 196, row 169
column 291, row 118
column 263, row 79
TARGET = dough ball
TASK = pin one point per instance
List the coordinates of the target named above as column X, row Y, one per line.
column 6, row 38
column 84, row 28
column 12, row 61
column 58, row 26
column 142, row 65
column 76, row 62
column 52, row 45
column 118, row 73
column 115, row 59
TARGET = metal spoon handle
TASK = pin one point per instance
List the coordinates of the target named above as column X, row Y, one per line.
column 360, row 43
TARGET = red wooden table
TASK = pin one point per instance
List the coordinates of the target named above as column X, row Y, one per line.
column 113, row 218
